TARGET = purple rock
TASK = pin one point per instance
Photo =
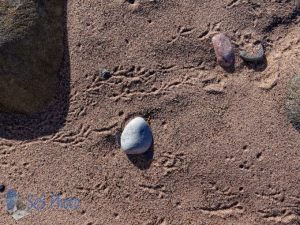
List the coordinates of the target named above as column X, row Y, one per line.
column 224, row 50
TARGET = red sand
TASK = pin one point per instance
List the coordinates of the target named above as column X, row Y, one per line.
column 224, row 152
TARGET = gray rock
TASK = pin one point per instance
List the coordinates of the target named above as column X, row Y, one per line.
column 293, row 101
column 31, row 51
column 136, row 137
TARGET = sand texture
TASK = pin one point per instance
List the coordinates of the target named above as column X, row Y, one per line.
column 225, row 151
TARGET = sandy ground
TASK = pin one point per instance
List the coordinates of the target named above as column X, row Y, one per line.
column 224, row 150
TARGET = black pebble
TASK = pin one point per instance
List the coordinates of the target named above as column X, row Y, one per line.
column 105, row 74
column 2, row 188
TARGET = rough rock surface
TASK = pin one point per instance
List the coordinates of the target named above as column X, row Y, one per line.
column 293, row 101
column 31, row 50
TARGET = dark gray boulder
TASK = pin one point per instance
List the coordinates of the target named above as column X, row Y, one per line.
column 31, row 51
column 293, row 101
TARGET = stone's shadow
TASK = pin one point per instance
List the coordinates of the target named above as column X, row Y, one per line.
column 52, row 117
column 257, row 66
column 143, row 161
column 296, row 125
column 230, row 69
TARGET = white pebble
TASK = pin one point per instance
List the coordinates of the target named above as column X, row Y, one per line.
column 136, row 137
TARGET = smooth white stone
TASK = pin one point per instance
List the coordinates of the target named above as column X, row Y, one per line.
column 136, row 137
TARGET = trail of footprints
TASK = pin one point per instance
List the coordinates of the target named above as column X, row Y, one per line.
column 170, row 162
column 74, row 137
column 281, row 208
column 140, row 82
column 137, row 82
column 228, row 204
column 234, row 3
column 157, row 190
column 182, row 32
column 210, row 31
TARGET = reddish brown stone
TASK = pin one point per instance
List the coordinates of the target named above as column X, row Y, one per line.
column 224, row 50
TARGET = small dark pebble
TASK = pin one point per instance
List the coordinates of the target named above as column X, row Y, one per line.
column 2, row 188
column 105, row 74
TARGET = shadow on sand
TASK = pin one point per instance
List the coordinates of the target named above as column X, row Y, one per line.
column 143, row 161
column 258, row 66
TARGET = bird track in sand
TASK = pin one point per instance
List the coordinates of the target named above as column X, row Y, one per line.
column 130, row 82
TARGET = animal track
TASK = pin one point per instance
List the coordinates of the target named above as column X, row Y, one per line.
column 210, row 31
column 156, row 221
column 223, row 210
column 158, row 190
column 271, row 194
column 6, row 148
column 234, row 3
column 269, row 82
column 137, row 81
column 74, row 137
column 282, row 208
column 282, row 60
column 218, row 88
column 106, row 129
column 181, row 33
column 282, row 216
column 172, row 162
column 99, row 189
column 257, row 13
column 216, row 200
